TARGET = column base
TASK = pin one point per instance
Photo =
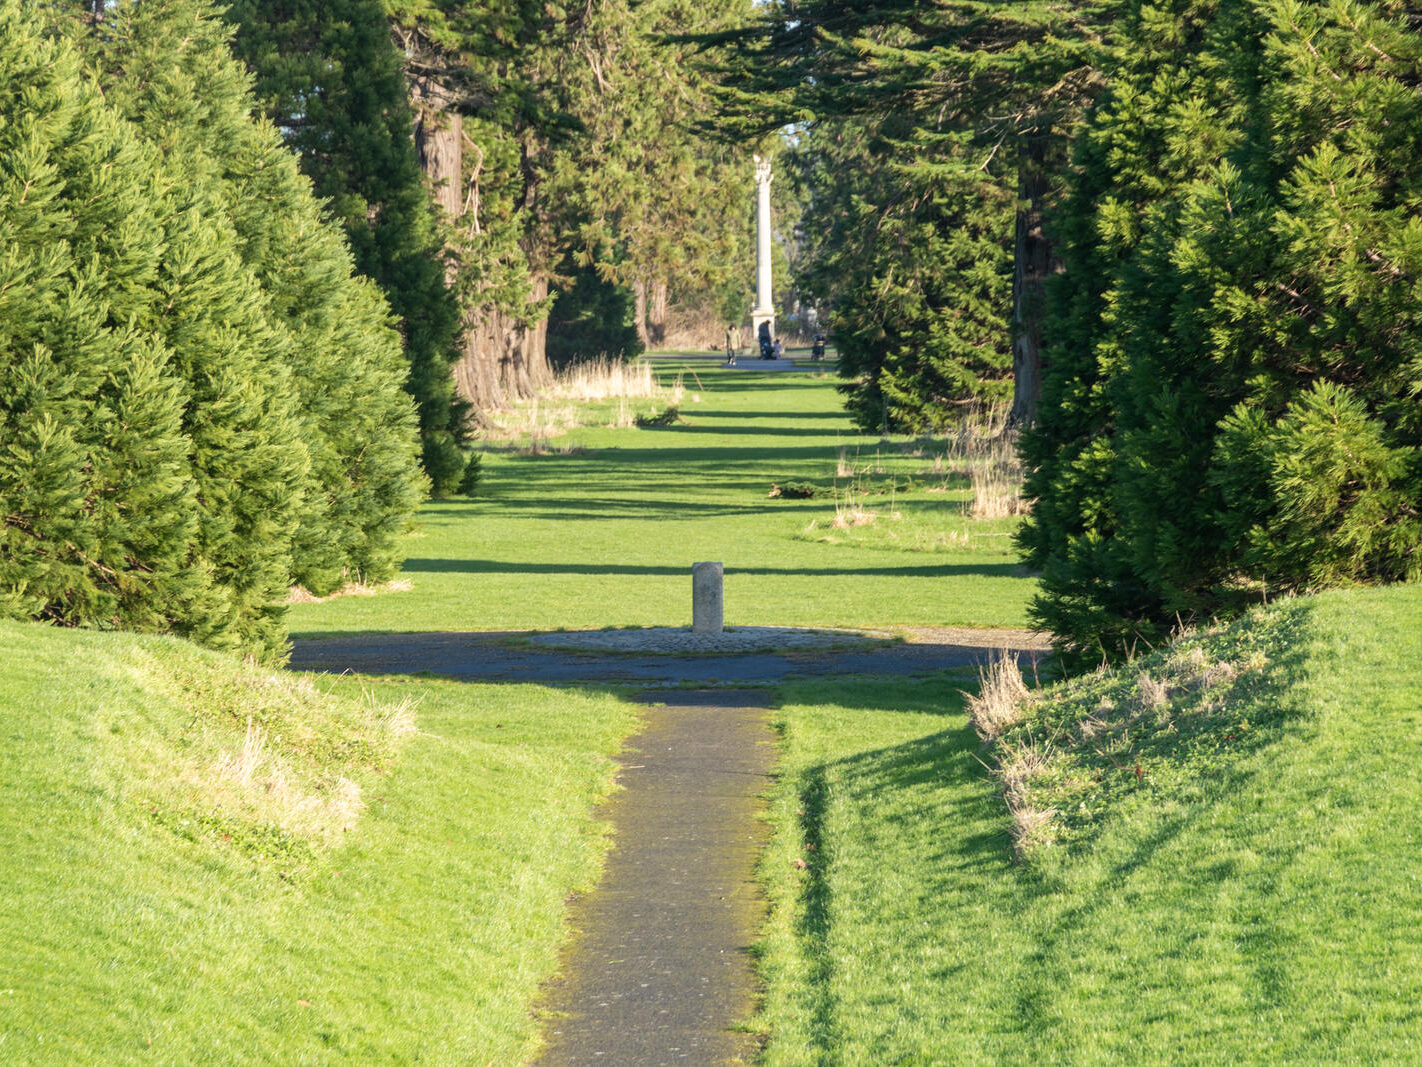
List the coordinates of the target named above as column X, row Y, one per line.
column 758, row 316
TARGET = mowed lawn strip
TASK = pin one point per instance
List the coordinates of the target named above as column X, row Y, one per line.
column 602, row 530
column 1266, row 910
column 147, row 915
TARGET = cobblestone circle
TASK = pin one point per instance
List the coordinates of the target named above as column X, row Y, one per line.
column 673, row 639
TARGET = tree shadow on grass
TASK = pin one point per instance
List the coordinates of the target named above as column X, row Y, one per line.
column 417, row 565
column 939, row 768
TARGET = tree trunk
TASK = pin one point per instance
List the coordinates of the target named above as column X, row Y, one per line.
column 439, row 139
column 639, row 312
column 657, row 316
column 1033, row 263
column 503, row 359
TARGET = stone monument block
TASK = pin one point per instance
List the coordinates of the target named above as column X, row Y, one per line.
column 706, row 609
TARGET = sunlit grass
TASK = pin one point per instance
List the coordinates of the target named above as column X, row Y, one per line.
column 203, row 863
column 599, row 526
column 1249, row 896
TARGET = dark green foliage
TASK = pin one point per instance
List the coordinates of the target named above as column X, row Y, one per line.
column 592, row 318
column 473, row 471
column 648, row 202
column 793, row 490
column 329, row 331
column 666, row 417
column 977, row 92
column 911, row 254
column 97, row 520
column 329, row 76
column 1233, row 396
column 202, row 405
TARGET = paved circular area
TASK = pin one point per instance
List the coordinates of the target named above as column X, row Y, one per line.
column 680, row 639
column 514, row 657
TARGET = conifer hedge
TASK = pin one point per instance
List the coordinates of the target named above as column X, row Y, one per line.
column 199, row 404
column 1233, row 406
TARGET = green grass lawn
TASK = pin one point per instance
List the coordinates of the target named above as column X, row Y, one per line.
column 157, row 906
column 1252, row 895
column 603, row 529
column 205, row 862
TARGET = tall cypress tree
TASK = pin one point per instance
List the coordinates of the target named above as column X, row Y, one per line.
column 168, row 67
column 1238, row 381
column 909, row 249
column 646, row 200
column 1013, row 77
column 97, row 522
column 330, row 78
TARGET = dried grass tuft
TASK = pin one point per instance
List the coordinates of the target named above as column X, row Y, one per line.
column 995, row 474
column 1020, row 763
column 242, row 767
column 1001, row 697
column 604, row 379
column 1154, row 694
column 268, row 752
column 850, row 510
column 853, row 515
column 563, row 404
column 298, row 595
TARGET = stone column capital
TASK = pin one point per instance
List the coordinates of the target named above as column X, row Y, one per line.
column 762, row 171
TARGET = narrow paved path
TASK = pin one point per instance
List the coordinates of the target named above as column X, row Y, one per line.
column 659, row 970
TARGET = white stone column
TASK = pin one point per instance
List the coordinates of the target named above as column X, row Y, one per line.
column 764, row 295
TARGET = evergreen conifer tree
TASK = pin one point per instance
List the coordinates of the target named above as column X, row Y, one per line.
column 330, row 78
column 1013, row 78
column 97, row 522
column 909, row 250
column 327, row 339
column 1237, row 381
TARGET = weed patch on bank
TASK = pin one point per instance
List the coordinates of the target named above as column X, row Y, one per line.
column 1167, row 726
column 207, row 862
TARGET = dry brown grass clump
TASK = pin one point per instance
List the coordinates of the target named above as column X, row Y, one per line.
column 1001, row 697
column 268, row 763
column 995, row 474
column 850, row 510
column 565, row 403
column 605, row 379
column 298, row 595
column 1018, row 764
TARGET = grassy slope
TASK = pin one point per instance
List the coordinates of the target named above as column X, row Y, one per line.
column 607, row 538
column 150, row 911
column 1252, row 896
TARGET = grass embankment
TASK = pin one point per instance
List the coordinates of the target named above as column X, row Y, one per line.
column 203, row 862
column 1250, row 895
column 599, row 526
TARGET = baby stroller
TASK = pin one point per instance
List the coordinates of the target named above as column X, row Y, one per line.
column 817, row 350
column 767, row 347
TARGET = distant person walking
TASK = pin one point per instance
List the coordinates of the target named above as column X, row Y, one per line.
column 777, row 350
column 764, row 338
column 733, row 343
